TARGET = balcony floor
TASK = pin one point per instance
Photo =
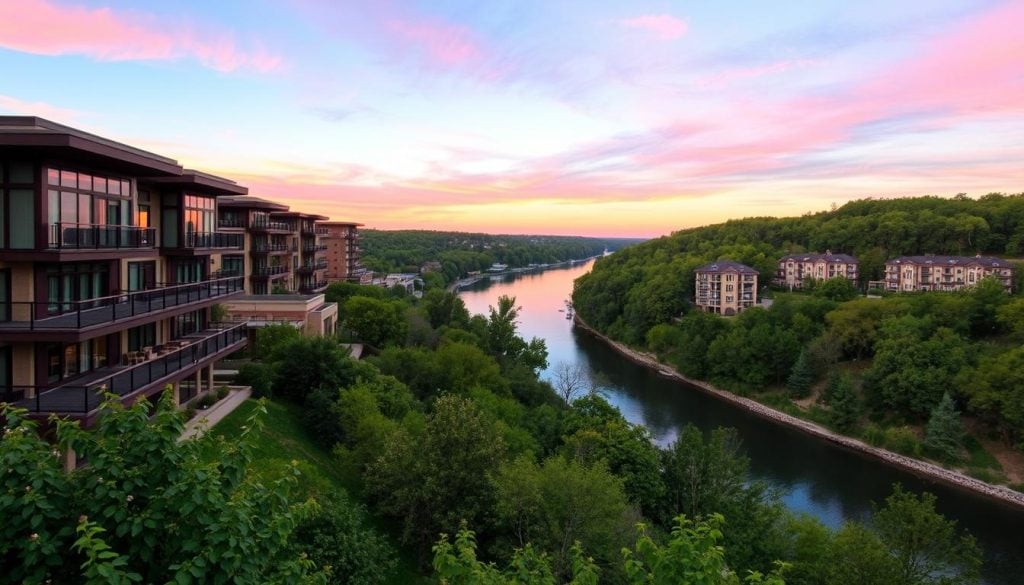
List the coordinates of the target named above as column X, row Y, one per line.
column 84, row 395
column 117, row 312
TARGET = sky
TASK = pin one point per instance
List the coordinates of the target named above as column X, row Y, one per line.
column 592, row 117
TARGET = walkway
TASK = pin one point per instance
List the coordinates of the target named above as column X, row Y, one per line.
column 205, row 419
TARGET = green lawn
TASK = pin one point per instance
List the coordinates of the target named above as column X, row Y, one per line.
column 284, row 439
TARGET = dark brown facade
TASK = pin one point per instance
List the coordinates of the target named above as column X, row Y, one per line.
column 106, row 278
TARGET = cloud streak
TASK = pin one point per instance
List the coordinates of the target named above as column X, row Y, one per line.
column 45, row 28
column 664, row 27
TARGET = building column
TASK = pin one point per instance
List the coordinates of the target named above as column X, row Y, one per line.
column 199, row 381
column 69, row 459
column 176, row 390
column 209, row 377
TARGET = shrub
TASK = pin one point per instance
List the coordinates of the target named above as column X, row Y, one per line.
column 206, row 401
column 258, row 376
column 903, row 440
column 223, row 392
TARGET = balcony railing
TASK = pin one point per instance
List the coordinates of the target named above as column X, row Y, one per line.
column 311, row 266
column 83, row 398
column 270, row 225
column 312, row 287
column 265, row 271
column 320, row 231
column 231, row 222
column 314, row 247
column 213, row 240
column 79, row 236
column 71, row 315
column 267, row 248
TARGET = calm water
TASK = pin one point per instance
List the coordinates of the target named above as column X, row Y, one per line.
column 818, row 478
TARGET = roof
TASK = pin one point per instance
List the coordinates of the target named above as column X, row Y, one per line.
column 30, row 133
column 341, row 223
column 300, row 215
column 828, row 256
column 206, row 182
column 990, row 261
column 726, row 266
column 250, row 202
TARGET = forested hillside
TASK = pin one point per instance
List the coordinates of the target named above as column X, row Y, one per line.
column 460, row 253
column 892, row 359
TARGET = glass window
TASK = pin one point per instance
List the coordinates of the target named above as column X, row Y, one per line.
column 5, row 283
column 85, row 182
column 85, row 209
column 114, row 187
column 22, row 220
column 69, row 179
column 53, row 176
column 20, row 173
column 99, row 184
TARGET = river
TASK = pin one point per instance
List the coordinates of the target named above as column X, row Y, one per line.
column 818, row 478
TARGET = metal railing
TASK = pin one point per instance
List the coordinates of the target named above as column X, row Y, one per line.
column 125, row 381
column 308, row 287
column 213, row 240
column 311, row 266
column 269, row 270
column 270, row 225
column 263, row 248
column 231, row 222
column 313, row 247
column 321, row 231
column 49, row 315
column 77, row 236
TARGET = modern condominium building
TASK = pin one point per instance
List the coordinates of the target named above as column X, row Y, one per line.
column 725, row 287
column 794, row 269
column 106, row 279
column 342, row 242
column 309, row 254
column 944, row 273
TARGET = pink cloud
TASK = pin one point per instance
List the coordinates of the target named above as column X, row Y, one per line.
column 664, row 26
column 45, row 28
column 442, row 43
column 43, row 109
column 729, row 76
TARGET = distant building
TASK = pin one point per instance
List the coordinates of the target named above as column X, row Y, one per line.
column 794, row 269
column 725, row 287
column 342, row 241
column 430, row 266
column 944, row 273
column 307, row 312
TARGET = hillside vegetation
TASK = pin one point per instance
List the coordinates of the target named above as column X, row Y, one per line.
column 891, row 360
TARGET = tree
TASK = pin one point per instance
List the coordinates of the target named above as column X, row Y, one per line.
column 562, row 502
column 505, row 344
column 272, row 337
column 925, row 545
column 838, row 288
column 308, row 364
column 845, row 404
column 148, row 507
column 439, row 478
column 856, row 556
column 701, row 475
column 444, row 308
column 801, row 378
column 945, row 432
column 570, row 381
column 377, row 322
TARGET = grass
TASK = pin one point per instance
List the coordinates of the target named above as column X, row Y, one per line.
column 284, row 439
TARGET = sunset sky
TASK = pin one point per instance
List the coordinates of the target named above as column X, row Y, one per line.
column 520, row 116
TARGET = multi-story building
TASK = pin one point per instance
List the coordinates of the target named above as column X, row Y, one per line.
column 944, row 273
column 342, row 241
column 106, row 279
column 268, row 244
column 309, row 254
column 795, row 269
column 725, row 287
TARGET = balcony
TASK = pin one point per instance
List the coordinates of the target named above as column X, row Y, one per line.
column 213, row 240
column 172, row 362
column 80, row 236
column 262, row 248
column 231, row 222
column 311, row 266
column 270, row 226
column 314, row 247
column 76, row 316
column 263, row 272
column 312, row 287
column 321, row 231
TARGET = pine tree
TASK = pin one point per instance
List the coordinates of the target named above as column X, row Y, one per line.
column 801, row 377
column 846, row 405
column 944, row 434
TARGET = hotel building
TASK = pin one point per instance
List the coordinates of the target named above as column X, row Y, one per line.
column 944, row 273
column 342, row 243
column 725, row 287
column 106, row 278
column 797, row 268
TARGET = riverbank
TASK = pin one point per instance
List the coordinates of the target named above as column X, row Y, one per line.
column 471, row 280
column 921, row 468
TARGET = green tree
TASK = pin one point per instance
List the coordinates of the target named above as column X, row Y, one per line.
column 437, row 479
column 562, row 502
column 444, row 308
column 838, row 288
column 801, row 377
column 272, row 337
column 505, row 344
column 308, row 364
column 857, row 556
column 996, row 392
column 377, row 322
column 845, row 405
column 148, row 507
column 926, row 546
column 944, row 435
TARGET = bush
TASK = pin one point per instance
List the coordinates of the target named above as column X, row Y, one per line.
column 903, row 440
column 258, row 376
column 206, row 401
column 223, row 392
column 190, row 412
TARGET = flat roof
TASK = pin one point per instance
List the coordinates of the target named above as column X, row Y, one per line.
column 41, row 136
column 205, row 181
column 342, row 223
column 264, row 298
column 300, row 215
column 250, row 202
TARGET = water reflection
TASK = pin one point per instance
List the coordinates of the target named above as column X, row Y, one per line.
column 818, row 478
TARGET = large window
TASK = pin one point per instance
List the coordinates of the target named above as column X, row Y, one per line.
column 200, row 217
column 232, row 266
column 188, row 323
column 141, row 275
column 67, row 360
column 66, row 283
column 142, row 336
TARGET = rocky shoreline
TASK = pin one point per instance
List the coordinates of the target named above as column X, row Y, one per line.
column 915, row 466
